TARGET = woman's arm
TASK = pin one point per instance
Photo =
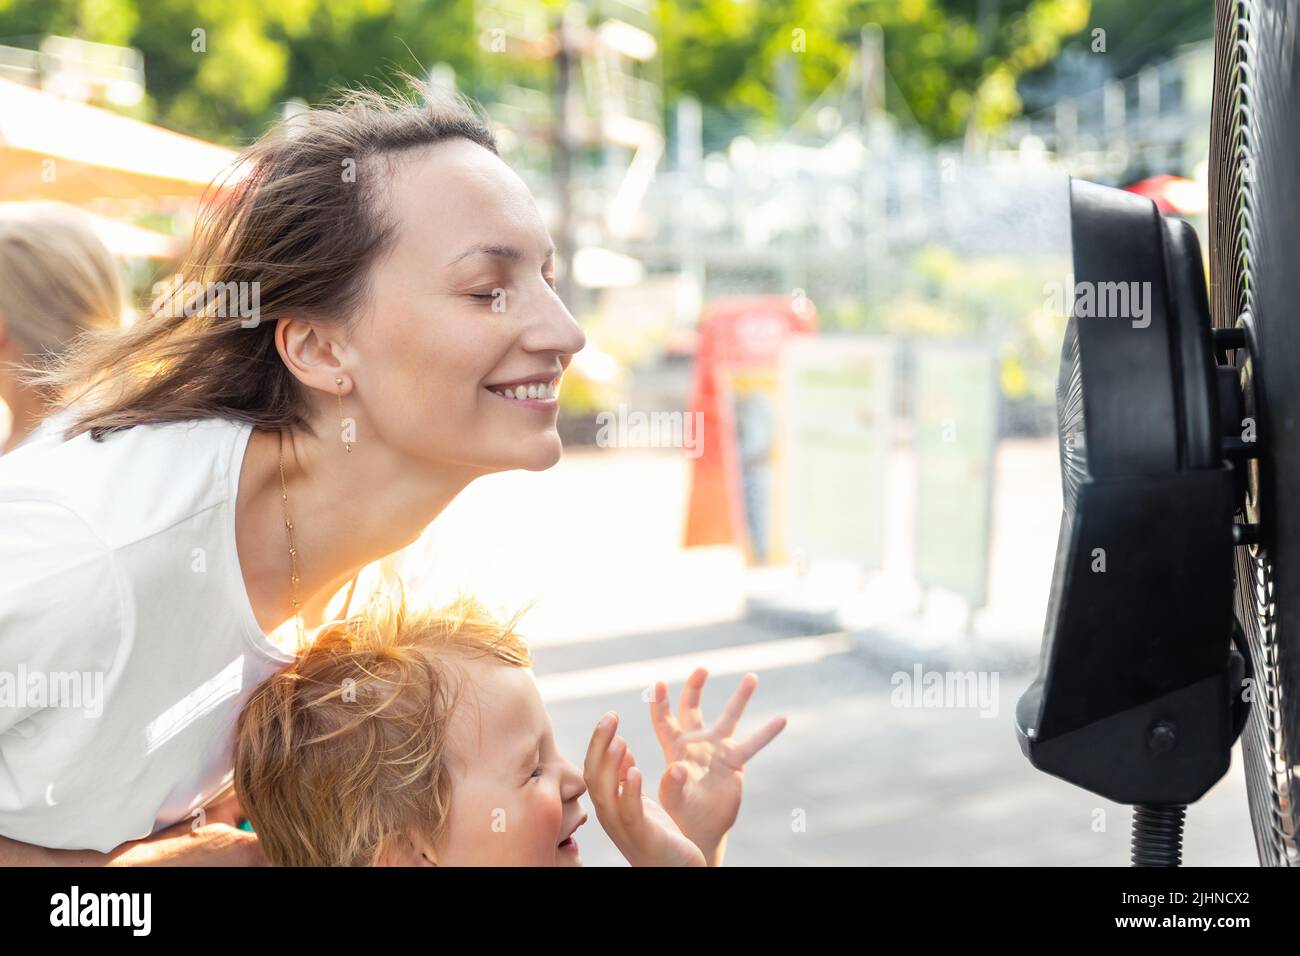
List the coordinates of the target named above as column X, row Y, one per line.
column 13, row 853
column 217, row 844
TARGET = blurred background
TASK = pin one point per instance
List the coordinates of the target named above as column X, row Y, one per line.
column 821, row 252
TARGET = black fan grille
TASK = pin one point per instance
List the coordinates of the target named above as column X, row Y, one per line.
column 1270, row 778
column 1069, row 417
column 1239, row 106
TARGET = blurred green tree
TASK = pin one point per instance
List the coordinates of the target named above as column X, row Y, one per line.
column 220, row 69
column 950, row 63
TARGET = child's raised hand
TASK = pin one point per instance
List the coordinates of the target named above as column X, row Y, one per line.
column 639, row 827
column 701, row 788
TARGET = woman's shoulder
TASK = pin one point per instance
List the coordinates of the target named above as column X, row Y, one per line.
column 133, row 483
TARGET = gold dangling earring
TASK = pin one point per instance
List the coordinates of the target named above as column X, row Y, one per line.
column 342, row 421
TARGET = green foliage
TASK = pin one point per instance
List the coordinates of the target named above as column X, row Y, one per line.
column 227, row 83
column 950, row 63
column 947, row 66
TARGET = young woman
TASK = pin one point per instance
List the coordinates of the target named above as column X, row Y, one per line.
column 368, row 322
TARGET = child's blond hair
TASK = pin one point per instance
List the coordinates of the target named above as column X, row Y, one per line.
column 344, row 749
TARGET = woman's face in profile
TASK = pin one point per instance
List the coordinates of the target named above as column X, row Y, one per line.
column 462, row 306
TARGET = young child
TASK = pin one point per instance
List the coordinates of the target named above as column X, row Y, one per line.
column 413, row 737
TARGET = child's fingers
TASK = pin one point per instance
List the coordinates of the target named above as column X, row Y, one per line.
column 629, row 800
column 627, row 763
column 743, row 752
column 673, row 783
column 611, row 762
column 600, row 769
column 603, row 784
column 731, row 714
column 661, row 717
column 600, row 739
column 688, row 708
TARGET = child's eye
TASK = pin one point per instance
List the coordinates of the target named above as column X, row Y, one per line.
column 537, row 772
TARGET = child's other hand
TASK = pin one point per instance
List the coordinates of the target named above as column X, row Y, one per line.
column 701, row 788
column 639, row 827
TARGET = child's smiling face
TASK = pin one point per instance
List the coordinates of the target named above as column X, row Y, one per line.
column 514, row 796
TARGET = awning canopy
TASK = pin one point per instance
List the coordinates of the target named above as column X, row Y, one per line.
column 52, row 148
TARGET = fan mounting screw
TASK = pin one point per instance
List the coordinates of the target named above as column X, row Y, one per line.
column 1162, row 737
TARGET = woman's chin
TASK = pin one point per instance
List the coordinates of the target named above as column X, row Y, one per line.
column 537, row 451
column 540, row 454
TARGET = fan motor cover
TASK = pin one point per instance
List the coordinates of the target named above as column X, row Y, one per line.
column 1133, row 699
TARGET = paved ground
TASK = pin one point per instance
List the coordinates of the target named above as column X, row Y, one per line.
column 871, row 783
column 595, row 542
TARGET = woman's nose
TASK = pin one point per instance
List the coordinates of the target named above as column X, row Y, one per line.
column 555, row 329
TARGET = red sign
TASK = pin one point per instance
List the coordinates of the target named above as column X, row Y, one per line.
column 736, row 334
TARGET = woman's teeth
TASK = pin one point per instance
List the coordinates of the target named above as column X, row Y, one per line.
column 535, row 390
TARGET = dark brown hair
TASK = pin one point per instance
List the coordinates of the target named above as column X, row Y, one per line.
column 301, row 214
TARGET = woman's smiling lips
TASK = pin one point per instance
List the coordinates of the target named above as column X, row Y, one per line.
column 538, row 391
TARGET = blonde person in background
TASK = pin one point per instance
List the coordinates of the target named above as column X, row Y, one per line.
column 57, row 280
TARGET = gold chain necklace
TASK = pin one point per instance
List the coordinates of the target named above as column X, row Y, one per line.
column 293, row 549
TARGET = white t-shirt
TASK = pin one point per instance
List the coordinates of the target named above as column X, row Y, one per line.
column 127, row 640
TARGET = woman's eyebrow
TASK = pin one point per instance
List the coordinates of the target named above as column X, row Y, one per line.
column 513, row 253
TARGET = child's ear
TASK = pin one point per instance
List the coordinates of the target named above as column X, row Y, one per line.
column 410, row 849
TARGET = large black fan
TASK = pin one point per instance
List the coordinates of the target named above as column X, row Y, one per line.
column 1174, row 599
column 1138, row 698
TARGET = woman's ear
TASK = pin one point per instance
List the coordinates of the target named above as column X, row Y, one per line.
column 310, row 351
column 409, row 849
